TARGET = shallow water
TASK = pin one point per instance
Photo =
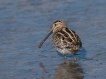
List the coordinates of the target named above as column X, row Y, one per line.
column 24, row 23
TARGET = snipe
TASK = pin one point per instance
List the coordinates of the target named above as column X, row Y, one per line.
column 66, row 41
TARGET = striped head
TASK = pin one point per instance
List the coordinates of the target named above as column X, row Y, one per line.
column 58, row 26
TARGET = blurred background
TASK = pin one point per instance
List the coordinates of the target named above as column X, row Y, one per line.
column 24, row 23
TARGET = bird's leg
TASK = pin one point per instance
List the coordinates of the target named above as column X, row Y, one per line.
column 65, row 56
column 75, row 57
column 65, row 61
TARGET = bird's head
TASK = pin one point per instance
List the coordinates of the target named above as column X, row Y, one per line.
column 58, row 25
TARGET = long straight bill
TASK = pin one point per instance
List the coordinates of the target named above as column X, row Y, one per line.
column 45, row 39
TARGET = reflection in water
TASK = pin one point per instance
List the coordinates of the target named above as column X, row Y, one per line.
column 42, row 66
column 68, row 70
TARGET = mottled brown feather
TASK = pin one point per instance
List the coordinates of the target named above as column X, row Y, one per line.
column 67, row 39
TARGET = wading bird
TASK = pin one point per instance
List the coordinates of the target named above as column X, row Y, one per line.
column 66, row 41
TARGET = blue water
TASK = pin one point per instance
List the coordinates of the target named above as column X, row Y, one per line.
column 24, row 23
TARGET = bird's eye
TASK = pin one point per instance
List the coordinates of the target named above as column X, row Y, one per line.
column 55, row 24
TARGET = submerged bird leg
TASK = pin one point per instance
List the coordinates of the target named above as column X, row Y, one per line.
column 65, row 61
column 65, row 56
column 75, row 57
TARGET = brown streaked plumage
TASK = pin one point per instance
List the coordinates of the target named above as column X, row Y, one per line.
column 66, row 41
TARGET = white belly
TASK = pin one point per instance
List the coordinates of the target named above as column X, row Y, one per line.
column 64, row 51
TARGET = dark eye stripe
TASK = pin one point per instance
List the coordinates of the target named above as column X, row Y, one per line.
column 55, row 24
